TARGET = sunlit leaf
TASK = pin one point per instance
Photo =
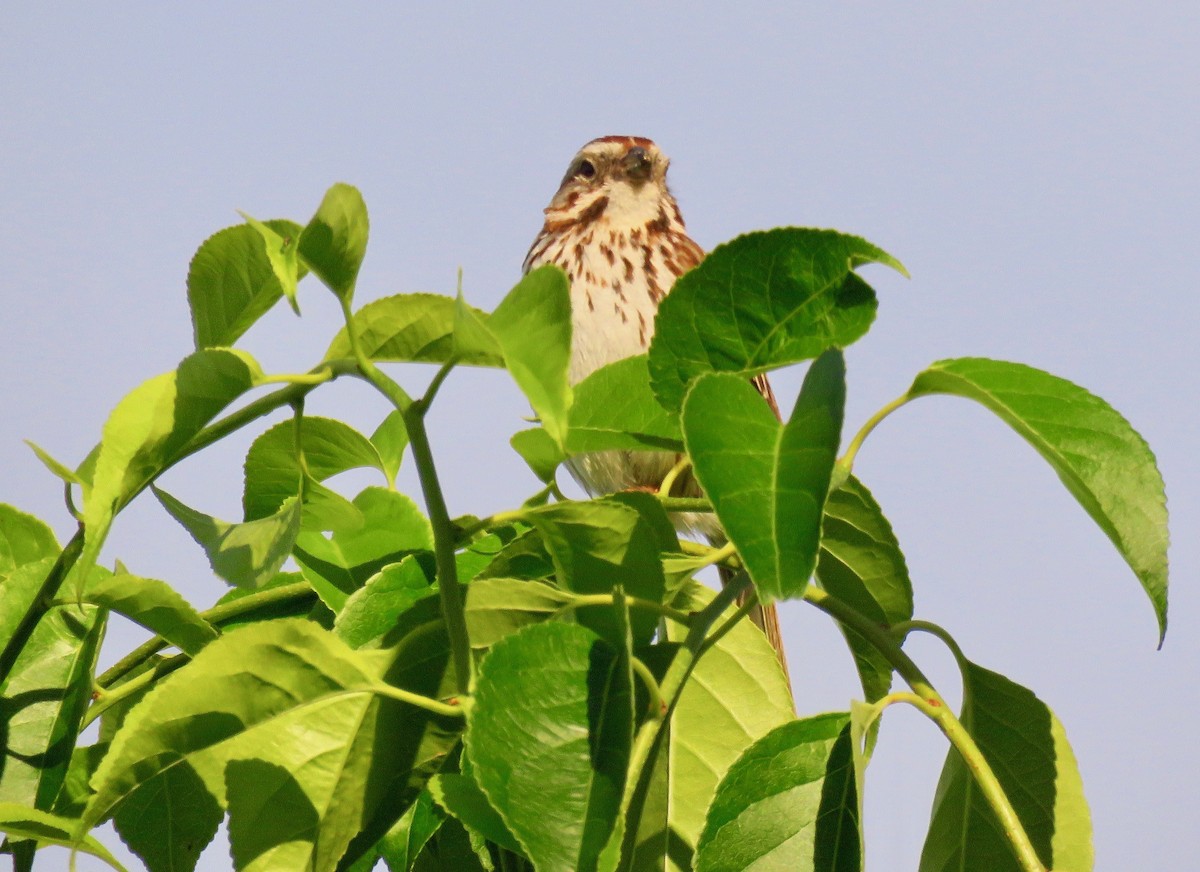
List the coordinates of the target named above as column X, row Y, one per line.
column 790, row 801
column 246, row 554
column 614, row 408
column 233, row 280
column 281, row 247
column 767, row 481
column 154, row 605
column 390, row 439
column 20, row 822
column 532, row 325
column 1100, row 458
column 23, row 539
column 764, row 300
column 544, row 696
column 413, row 328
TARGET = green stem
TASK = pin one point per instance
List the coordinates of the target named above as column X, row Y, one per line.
column 846, row 462
column 935, row 707
column 685, row 504
column 658, row 706
column 607, row 599
column 424, row 702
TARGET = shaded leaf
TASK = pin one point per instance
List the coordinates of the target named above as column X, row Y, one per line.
column 539, row 450
column 390, row 439
column 335, row 239
column 1027, row 748
column 861, row 564
column 498, row 607
column 281, row 248
column 764, row 300
column 596, row 546
column 1102, row 460
column 404, row 841
column 460, row 796
column 372, row 610
column 169, row 820
column 768, row 482
column 246, row 554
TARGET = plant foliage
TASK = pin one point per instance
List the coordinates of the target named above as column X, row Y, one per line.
column 548, row 687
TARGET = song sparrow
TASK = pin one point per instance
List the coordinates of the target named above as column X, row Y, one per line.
column 616, row 230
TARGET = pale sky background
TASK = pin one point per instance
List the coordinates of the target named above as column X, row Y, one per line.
column 1034, row 166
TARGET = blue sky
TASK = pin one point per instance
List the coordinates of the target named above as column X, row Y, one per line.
column 1034, row 166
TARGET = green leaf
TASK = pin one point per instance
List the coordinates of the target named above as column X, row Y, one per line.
column 335, row 240
column 390, row 439
column 47, row 691
column 1100, row 458
column 410, row 328
column 532, row 324
column 281, row 251
column 861, row 564
column 524, row 557
column 154, row 605
column 1027, row 748
column 768, row 482
column 737, row 693
column 247, row 554
column 372, row 610
column 538, row 449
column 614, row 408
column 273, row 473
column 404, row 841
column 23, row 539
column 20, row 822
column 789, row 802
column 471, row 336
column 169, row 820
column 764, row 300
column 233, row 280
column 262, row 695
column 498, row 607
column 60, row 470
column 393, row 527
column 599, row 545
column 461, row 796
column 544, row 745
column 323, row 508
column 151, row 426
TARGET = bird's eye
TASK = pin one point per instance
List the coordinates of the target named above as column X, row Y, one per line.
column 585, row 170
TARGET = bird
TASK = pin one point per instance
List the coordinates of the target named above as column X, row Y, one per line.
column 616, row 230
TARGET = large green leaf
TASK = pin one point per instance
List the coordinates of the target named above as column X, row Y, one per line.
column 736, row 694
column 789, row 802
column 335, row 240
column 597, row 545
column 23, row 539
column 1098, row 455
column 861, row 564
column 1027, row 748
column 764, row 300
column 247, row 554
column 169, row 820
column 339, row 565
column 21, row 822
column 153, row 423
column 237, row 275
column 47, row 691
column 273, row 473
column 546, row 742
column 532, row 325
column 154, row 605
column 614, row 408
column 768, row 482
column 285, row 720
column 404, row 841
column 411, row 327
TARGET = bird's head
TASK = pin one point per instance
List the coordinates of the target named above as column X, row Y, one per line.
column 622, row 179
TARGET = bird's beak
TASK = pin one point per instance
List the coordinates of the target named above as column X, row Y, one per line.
column 637, row 165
